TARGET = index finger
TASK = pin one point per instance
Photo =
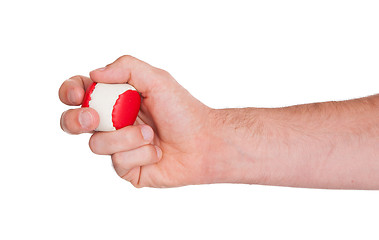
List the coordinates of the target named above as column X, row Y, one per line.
column 128, row 69
column 72, row 90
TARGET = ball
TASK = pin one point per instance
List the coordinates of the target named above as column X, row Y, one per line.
column 117, row 104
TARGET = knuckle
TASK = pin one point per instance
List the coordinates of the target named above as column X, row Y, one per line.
column 126, row 58
column 75, row 77
column 136, row 184
column 110, row 139
column 116, row 160
column 162, row 73
column 127, row 136
column 133, row 176
column 129, row 176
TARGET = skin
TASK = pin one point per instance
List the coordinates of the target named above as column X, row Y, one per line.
column 179, row 141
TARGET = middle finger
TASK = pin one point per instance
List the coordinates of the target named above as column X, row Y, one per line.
column 124, row 139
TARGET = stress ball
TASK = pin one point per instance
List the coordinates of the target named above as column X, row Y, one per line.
column 116, row 104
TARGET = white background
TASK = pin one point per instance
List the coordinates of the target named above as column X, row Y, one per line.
column 227, row 54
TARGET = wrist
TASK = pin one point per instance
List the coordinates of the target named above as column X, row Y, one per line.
column 234, row 136
column 259, row 146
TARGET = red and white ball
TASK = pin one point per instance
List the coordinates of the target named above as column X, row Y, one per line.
column 117, row 104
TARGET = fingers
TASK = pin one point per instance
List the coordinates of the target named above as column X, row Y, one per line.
column 128, row 138
column 130, row 148
column 132, row 70
column 72, row 90
column 79, row 120
column 123, row 162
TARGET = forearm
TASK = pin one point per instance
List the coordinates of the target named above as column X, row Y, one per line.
column 321, row 145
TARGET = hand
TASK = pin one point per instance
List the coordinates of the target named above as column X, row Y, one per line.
column 169, row 145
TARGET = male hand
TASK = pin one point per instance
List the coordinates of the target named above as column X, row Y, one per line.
column 169, row 143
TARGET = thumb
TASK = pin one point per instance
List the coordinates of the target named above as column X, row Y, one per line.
column 127, row 69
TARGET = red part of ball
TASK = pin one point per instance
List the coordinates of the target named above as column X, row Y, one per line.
column 87, row 96
column 126, row 109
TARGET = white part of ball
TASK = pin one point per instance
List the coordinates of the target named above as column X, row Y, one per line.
column 103, row 99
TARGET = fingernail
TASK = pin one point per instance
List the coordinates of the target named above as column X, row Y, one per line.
column 159, row 152
column 147, row 133
column 85, row 119
column 99, row 69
